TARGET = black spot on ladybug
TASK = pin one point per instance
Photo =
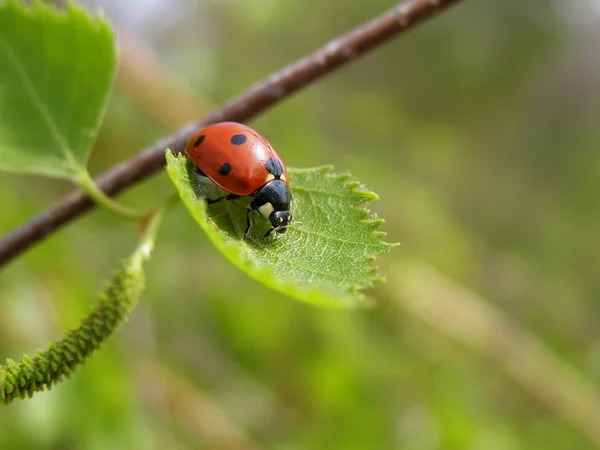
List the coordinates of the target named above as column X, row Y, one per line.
column 225, row 169
column 200, row 140
column 238, row 139
column 274, row 166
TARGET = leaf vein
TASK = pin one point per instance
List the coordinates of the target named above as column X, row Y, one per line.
column 36, row 100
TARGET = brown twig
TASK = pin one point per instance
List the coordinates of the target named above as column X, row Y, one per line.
column 249, row 104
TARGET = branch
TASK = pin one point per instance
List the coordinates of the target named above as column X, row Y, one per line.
column 257, row 99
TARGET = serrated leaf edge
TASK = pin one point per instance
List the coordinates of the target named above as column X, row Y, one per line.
column 368, row 218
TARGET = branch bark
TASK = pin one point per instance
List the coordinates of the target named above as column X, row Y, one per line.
column 254, row 101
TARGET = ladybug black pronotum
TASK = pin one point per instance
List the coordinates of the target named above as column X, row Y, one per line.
column 242, row 162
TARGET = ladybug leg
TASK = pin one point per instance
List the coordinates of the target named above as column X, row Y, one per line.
column 268, row 233
column 199, row 172
column 249, row 209
column 227, row 197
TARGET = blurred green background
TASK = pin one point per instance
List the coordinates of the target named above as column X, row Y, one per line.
column 480, row 132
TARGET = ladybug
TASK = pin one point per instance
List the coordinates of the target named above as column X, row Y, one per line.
column 242, row 162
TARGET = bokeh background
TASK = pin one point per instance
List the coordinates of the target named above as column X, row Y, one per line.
column 480, row 131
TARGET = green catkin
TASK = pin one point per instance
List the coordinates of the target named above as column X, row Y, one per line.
column 39, row 373
column 35, row 374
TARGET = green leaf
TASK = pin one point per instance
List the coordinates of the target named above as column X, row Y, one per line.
column 326, row 260
column 56, row 71
column 35, row 374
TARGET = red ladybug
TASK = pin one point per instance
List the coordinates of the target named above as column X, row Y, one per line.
column 242, row 162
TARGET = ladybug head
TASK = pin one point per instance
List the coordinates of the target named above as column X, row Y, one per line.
column 280, row 220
